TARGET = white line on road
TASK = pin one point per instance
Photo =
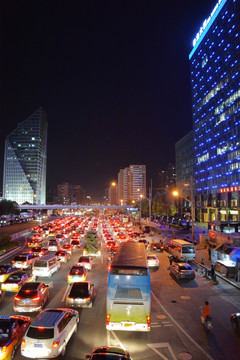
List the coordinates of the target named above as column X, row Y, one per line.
column 155, row 326
column 180, row 327
column 162, row 345
column 118, row 340
column 65, row 294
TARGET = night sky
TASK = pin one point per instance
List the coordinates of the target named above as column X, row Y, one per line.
column 113, row 77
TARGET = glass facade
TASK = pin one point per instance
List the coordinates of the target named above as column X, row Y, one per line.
column 215, row 82
column 24, row 177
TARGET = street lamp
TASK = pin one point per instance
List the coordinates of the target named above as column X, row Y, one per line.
column 176, row 193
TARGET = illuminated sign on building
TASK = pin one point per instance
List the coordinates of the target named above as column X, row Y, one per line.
column 230, row 189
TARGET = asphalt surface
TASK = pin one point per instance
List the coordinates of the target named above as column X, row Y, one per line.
column 176, row 331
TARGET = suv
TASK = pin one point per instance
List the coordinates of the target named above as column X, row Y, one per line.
column 109, row 352
column 23, row 261
column 31, row 297
column 49, row 333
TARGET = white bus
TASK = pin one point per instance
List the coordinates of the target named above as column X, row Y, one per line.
column 182, row 250
column 129, row 290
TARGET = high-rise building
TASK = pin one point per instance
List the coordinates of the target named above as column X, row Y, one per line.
column 69, row 194
column 25, row 158
column 137, row 181
column 215, row 77
column 171, row 175
column 131, row 183
column 113, row 193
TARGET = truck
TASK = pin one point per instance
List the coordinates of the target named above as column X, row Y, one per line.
column 92, row 245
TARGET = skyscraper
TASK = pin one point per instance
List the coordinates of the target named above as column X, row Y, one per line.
column 25, row 158
column 215, row 77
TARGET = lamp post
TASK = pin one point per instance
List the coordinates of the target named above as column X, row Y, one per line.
column 176, row 193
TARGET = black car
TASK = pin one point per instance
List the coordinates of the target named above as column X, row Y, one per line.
column 157, row 247
column 235, row 320
column 146, row 229
column 109, row 352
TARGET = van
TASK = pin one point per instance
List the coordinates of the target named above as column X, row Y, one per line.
column 53, row 245
column 46, row 266
column 182, row 250
column 49, row 333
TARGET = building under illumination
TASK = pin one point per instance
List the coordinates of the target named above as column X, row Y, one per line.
column 25, row 158
column 131, row 184
column 215, row 81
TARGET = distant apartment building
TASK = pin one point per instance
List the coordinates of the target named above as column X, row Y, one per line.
column 25, row 160
column 131, row 183
column 69, row 194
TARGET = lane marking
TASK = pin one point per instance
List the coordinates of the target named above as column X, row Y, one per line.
column 118, row 340
column 162, row 345
column 108, row 338
column 156, row 326
column 65, row 293
column 180, row 328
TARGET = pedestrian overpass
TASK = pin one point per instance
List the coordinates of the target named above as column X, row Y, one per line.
column 77, row 207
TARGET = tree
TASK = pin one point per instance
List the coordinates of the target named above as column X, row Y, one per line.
column 163, row 205
column 9, row 207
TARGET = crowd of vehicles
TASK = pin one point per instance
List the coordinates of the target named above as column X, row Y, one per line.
column 130, row 258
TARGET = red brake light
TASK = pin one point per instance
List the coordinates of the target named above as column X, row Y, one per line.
column 108, row 319
column 17, row 298
column 36, row 298
column 55, row 344
column 23, row 342
column 148, row 321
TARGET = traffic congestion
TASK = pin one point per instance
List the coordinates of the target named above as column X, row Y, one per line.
column 97, row 281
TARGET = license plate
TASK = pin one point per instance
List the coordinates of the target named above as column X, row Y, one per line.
column 38, row 345
column 26, row 301
column 127, row 325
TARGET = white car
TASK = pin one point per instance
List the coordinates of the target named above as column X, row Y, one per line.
column 86, row 262
column 24, row 260
column 152, row 261
column 49, row 333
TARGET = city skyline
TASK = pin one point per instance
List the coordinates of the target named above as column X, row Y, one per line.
column 108, row 78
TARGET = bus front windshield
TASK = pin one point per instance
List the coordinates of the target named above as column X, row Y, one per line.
column 188, row 250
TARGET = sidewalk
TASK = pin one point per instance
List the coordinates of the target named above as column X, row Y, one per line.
column 201, row 253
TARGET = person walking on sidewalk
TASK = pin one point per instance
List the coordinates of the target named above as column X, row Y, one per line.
column 170, row 259
column 212, row 272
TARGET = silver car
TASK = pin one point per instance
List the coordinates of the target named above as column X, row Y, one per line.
column 182, row 271
column 80, row 294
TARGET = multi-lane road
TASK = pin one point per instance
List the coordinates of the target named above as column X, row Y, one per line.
column 176, row 331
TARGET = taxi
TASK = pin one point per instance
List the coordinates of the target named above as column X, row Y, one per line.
column 12, row 329
column 16, row 280
column 5, row 271
column 77, row 274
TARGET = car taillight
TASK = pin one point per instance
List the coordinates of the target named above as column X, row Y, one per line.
column 69, row 298
column 23, row 342
column 148, row 321
column 87, row 299
column 3, row 349
column 36, row 298
column 17, row 298
column 108, row 319
column 55, row 344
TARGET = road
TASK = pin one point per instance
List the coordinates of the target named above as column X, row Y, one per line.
column 176, row 331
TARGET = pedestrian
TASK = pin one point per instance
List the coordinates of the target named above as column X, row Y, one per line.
column 209, row 253
column 212, row 272
column 170, row 259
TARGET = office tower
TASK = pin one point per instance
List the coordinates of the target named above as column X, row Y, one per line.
column 171, row 175
column 25, row 158
column 113, row 193
column 137, row 181
column 215, row 76
column 69, row 194
column 184, row 151
column 120, row 187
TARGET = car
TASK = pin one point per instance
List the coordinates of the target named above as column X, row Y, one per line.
column 24, row 261
column 53, row 245
column 146, row 229
column 16, row 280
column 62, row 256
column 35, row 241
column 31, row 297
column 235, row 320
column 49, row 333
column 80, row 294
column 12, row 329
column 77, row 274
column 68, row 248
column 145, row 242
column 76, row 244
column 182, row 271
column 86, row 262
column 109, row 352
column 152, row 261
column 157, row 247
column 5, row 271
column 39, row 251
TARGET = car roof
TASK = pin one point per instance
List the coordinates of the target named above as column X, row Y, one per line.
column 109, row 349
column 48, row 317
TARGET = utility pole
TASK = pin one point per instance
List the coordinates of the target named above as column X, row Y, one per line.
column 192, row 208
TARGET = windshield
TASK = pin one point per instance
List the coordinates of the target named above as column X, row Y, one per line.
column 188, row 250
column 40, row 333
column 79, row 290
column 27, row 293
column 40, row 263
column 13, row 279
column 3, row 269
column 108, row 357
column 20, row 258
column 76, row 271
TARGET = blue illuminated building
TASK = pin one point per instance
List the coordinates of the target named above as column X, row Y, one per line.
column 215, row 82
